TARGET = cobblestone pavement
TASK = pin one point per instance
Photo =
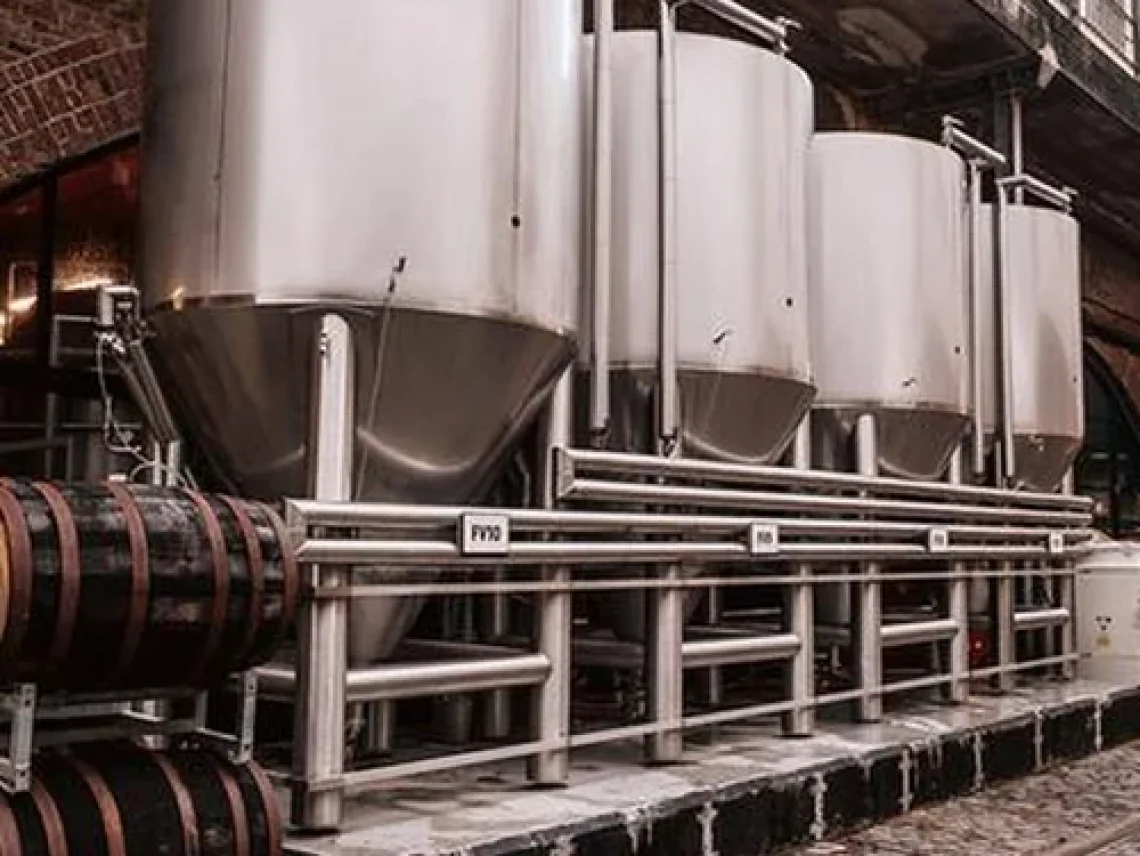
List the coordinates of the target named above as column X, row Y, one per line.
column 1027, row 817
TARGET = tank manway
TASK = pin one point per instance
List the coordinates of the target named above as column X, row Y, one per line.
column 118, row 587
column 121, row 799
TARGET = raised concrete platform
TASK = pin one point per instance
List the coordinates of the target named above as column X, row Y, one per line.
column 751, row 792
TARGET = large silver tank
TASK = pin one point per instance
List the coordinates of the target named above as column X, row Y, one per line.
column 744, row 120
column 412, row 164
column 1043, row 284
column 888, row 296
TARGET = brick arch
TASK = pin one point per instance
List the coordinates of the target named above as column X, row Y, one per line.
column 70, row 79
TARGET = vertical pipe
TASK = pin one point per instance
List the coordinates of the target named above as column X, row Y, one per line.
column 603, row 214
column 870, row 592
column 45, row 267
column 322, row 628
column 714, row 677
column 668, row 415
column 665, row 669
column 959, row 602
column 497, row 725
column 555, row 616
column 1068, row 599
column 1004, row 614
column 800, row 722
column 1003, row 323
column 977, row 358
column 1017, row 141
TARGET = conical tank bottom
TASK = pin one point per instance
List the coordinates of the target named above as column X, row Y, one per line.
column 439, row 400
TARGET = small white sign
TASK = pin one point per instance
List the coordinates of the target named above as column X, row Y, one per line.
column 937, row 540
column 1056, row 543
column 485, row 534
column 764, row 539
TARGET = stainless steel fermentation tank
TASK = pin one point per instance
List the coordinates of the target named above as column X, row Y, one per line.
column 1041, row 277
column 743, row 123
column 888, row 298
column 410, row 164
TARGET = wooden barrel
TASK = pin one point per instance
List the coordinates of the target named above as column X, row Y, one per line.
column 121, row 800
column 116, row 587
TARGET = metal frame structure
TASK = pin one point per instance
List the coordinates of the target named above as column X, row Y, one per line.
column 784, row 527
column 35, row 720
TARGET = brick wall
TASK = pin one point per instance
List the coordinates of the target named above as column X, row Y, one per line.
column 70, row 78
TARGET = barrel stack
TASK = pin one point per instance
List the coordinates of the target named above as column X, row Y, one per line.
column 118, row 590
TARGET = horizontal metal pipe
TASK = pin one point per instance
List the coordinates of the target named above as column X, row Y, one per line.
column 915, row 632
column 619, row 463
column 364, row 781
column 705, row 653
column 415, row 680
column 773, row 33
column 1061, row 198
column 315, row 513
column 667, row 494
column 438, row 553
column 1036, row 619
column 954, row 137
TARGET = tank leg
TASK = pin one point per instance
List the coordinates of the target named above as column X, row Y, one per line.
column 322, row 627
column 664, row 669
column 869, row 636
column 1004, row 608
column 801, row 620
column 555, row 616
column 714, row 677
column 959, row 609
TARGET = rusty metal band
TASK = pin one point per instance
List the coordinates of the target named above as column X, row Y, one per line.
column 256, row 563
column 220, row 563
column 140, row 580
column 18, row 600
column 9, row 831
column 70, row 575
column 113, row 833
column 273, row 824
column 50, row 820
column 291, row 581
column 237, row 812
column 187, row 817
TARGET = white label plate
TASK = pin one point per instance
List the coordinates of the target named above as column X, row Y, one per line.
column 485, row 535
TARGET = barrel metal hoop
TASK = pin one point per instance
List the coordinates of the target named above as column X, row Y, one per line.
column 70, row 575
column 291, row 577
column 220, row 561
column 140, row 580
column 256, row 564
column 269, row 802
column 9, row 831
column 186, row 814
column 237, row 812
column 17, row 594
column 108, row 810
column 50, row 820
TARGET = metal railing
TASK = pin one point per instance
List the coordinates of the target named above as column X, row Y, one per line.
column 794, row 530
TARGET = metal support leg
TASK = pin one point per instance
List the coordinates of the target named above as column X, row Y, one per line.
column 497, row 724
column 665, row 670
column 555, row 616
column 800, row 722
column 870, row 594
column 322, row 643
column 1004, row 613
column 959, row 609
column 1067, row 600
column 714, row 677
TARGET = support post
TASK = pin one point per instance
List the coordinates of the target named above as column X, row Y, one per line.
column 322, row 628
column 555, row 618
column 959, row 608
column 714, row 677
column 1006, row 631
column 869, row 638
column 497, row 723
column 800, row 722
column 1067, row 598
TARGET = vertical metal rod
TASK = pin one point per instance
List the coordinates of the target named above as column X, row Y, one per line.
column 603, row 214
column 977, row 358
column 714, row 676
column 1006, row 639
column 45, row 266
column 666, row 670
column 669, row 414
column 1067, row 598
column 1003, row 325
column 497, row 725
column 870, row 592
column 959, row 608
column 800, row 722
column 322, row 628
column 555, row 618
column 1017, row 142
